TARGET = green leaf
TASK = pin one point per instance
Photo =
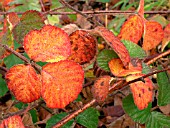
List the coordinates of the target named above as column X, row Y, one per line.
column 16, row 45
column 12, row 60
column 56, row 118
column 104, row 57
column 163, row 88
column 89, row 118
column 158, row 120
column 30, row 20
column 137, row 115
column 103, row 1
column 34, row 116
column 145, row 68
column 3, row 86
column 25, row 5
column 135, row 50
column 7, row 40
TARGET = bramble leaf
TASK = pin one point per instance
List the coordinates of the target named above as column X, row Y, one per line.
column 132, row 29
column 166, row 38
column 115, row 43
column 61, row 83
column 158, row 120
column 12, row 122
column 24, row 82
column 100, row 89
column 89, row 118
column 135, row 50
column 50, row 44
column 153, row 35
column 142, row 91
column 30, row 20
column 163, row 88
column 104, row 57
column 131, row 109
column 3, row 86
column 83, row 47
column 56, row 118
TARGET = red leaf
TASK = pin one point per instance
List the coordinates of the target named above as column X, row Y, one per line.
column 142, row 91
column 115, row 43
column 100, row 89
column 132, row 29
column 23, row 81
column 141, row 8
column 50, row 44
column 13, row 19
column 166, row 38
column 153, row 35
column 12, row 122
column 83, row 47
column 61, row 83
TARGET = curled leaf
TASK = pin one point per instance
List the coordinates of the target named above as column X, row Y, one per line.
column 117, row 68
column 115, row 43
column 12, row 122
column 50, row 44
column 23, row 81
column 153, row 35
column 61, row 83
column 166, row 38
column 83, row 47
column 100, row 89
column 132, row 29
column 142, row 91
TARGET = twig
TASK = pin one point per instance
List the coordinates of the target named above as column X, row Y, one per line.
column 21, row 57
column 157, row 57
column 71, row 116
column 79, row 12
column 42, row 5
column 101, row 12
column 22, row 111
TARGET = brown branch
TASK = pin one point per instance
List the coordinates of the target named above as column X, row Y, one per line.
column 42, row 5
column 22, row 111
column 158, row 57
column 21, row 57
column 101, row 12
column 74, row 114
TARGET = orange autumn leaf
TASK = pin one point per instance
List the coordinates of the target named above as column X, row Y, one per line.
column 50, row 44
column 141, row 8
column 83, row 47
column 13, row 19
column 166, row 38
column 132, row 29
column 12, row 122
column 100, row 89
column 24, row 83
column 117, row 68
column 61, row 83
column 115, row 43
column 142, row 91
column 153, row 35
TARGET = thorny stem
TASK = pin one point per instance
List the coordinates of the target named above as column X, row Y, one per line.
column 74, row 114
column 101, row 12
column 21, row 57
column 157, row 57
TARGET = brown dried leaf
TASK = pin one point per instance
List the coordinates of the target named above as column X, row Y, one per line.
column 100, row 89
column 83, row 47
